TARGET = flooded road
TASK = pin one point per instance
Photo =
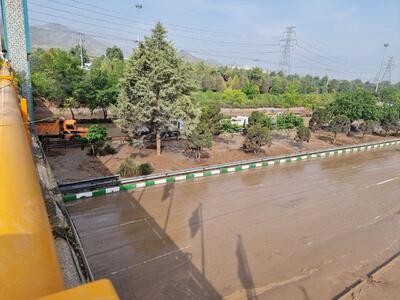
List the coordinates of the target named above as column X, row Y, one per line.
column 301, row 231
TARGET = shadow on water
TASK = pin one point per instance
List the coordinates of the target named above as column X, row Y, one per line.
column 304, row 292
column 196, row 223
column 244, row 271
column 125, row 244
column 168, row 193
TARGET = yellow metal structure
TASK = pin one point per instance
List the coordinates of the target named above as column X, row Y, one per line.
column 29, row 267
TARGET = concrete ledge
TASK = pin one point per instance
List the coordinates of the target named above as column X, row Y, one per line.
column 192, row 174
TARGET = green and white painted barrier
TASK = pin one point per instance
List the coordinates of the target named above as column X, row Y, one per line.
column 192, row 174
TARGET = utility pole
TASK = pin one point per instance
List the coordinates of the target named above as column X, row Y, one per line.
column 81, row 49
column 387, row 74
column 379, row 76
column 138, row 7
column 286, row 44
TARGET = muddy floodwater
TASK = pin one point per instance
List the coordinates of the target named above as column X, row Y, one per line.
column 301, row 231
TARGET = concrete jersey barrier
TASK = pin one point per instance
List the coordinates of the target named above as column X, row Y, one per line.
column 191, row 174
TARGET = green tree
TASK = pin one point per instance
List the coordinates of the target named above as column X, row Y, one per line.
column 211, row 115
column 251, row 90
column 156, row 79
column 55, row 73
column 291, row 95
column 234, row 83
column 114, row 53
column 256, row 137
column 259, row 117
column 70, row 103
column 319, row 118
column 208, row 82
column 287, row 122
column 230, row 96
column 303, row 135
column 339, row 124
column 96, row 137
column 200, row 138
column 220, row 84
column 356, row 105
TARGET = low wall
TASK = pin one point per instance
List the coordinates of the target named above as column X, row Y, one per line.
column 191, row 174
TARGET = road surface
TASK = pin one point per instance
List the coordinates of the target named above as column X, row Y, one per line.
column 301, row 231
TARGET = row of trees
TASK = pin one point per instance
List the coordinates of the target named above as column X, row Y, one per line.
column 153, row 90
column 362, row 111
column 57, row 76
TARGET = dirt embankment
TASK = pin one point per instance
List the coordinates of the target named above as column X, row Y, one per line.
column 74, row 164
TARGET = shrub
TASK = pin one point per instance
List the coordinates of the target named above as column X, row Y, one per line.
column 145, row 169
column 258, row 117
column 128, row 168
column 303, row 135
column 319, row 118
column 339, row 124
column 230, row 96
column 367, row 127
column 287, row 122
column 108, row 149
column 256, row 137
column 200, row 138
column 227, row 126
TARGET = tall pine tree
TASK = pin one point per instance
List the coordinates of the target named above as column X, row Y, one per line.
column 156, row 90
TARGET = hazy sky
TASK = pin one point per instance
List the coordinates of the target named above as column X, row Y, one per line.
column 339, row 38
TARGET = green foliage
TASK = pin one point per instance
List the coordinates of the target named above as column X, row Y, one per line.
column 226, row 126
column 201, row 138
column 389, row 119
column 367, row 127
column 251, row 90
column 356, row 105
column 339, row 124
column 233, row 96
column 259, row 117
column 211, row 115
column 291, row 95
column 55, row 73
column 288, row 121
column 155, row 80
column 95, row 138
column 145, row 169
column 114, row 53
column 319, row 118
column 303, row 134
column 76, row 52
column 128, row 168
column 70, row 103
column 256, row 137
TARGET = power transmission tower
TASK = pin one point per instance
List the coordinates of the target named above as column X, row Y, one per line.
column 389, row 66
column 379, row 75
column 81, row 49
column 287, row 42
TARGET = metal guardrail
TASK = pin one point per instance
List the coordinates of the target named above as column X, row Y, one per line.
column 91, row 184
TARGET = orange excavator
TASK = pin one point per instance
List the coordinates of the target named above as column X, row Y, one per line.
column 62, row 128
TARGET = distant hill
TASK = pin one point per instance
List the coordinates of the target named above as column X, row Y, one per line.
column 52, row 35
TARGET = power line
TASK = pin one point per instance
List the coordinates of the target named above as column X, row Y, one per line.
column 120, row 16
column 224, row 42
column 287, row 43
